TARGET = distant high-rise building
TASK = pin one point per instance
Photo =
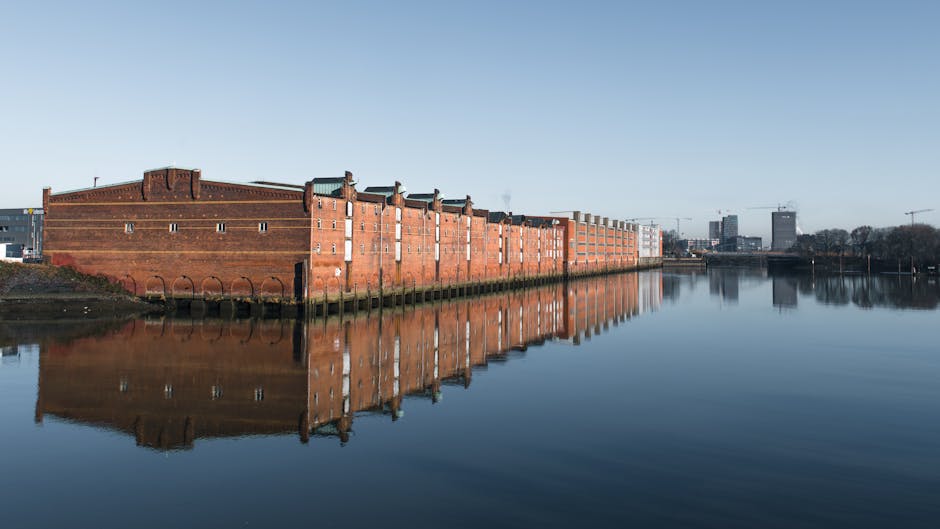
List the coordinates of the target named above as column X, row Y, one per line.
column 729, row 227
column 714, row 229
column 783, row 226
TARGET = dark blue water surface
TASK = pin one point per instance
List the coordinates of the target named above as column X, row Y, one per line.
column 720, row 399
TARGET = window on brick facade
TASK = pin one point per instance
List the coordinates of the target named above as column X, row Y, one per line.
column 128, row 227
column 334, row 204
column 334, row 248
column 362, row 248
column 318, row 248
column 376, row 209
column 334, row 224
column 362, row 226
column 375, row 226
column 386, row 248
column 174, row 227
column 318, row 223
column 319, row 203
column 262, row 227
column 220, row 227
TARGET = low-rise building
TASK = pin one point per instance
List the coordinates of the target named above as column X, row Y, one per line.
column 21, row 229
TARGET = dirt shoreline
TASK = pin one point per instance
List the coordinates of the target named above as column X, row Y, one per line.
column 42, row 292
column 73, row 306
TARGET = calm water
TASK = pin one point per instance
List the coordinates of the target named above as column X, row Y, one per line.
column 660, row 399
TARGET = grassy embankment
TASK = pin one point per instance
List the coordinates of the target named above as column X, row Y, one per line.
column 35, row 291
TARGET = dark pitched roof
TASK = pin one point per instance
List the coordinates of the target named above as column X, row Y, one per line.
column 371, row 197
column 424, row 197
column 381, row 190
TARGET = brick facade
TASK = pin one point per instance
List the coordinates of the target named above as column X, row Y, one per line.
column 173, row 234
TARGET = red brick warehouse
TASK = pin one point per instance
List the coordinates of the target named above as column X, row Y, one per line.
column 173, row 234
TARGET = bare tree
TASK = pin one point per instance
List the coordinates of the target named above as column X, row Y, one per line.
column 860, row 237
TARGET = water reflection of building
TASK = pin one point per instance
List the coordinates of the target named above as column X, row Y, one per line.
column 724, row 283
column 651, row 292
column 675, row 279
column 171, row 381
column 784, row 291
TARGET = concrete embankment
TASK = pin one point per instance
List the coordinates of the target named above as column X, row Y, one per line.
column 40, row 292
column 683, row 262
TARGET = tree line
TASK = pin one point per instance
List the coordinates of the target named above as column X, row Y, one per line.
column 919, row 241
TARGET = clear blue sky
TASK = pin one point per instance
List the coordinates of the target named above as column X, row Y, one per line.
column 624, row 109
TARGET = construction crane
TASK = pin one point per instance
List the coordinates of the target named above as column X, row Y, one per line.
column 778, row 207
column 677, row 219
column 651, row 219
column 912, row 213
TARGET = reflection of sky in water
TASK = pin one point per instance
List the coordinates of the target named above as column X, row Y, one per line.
column 706, row 412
